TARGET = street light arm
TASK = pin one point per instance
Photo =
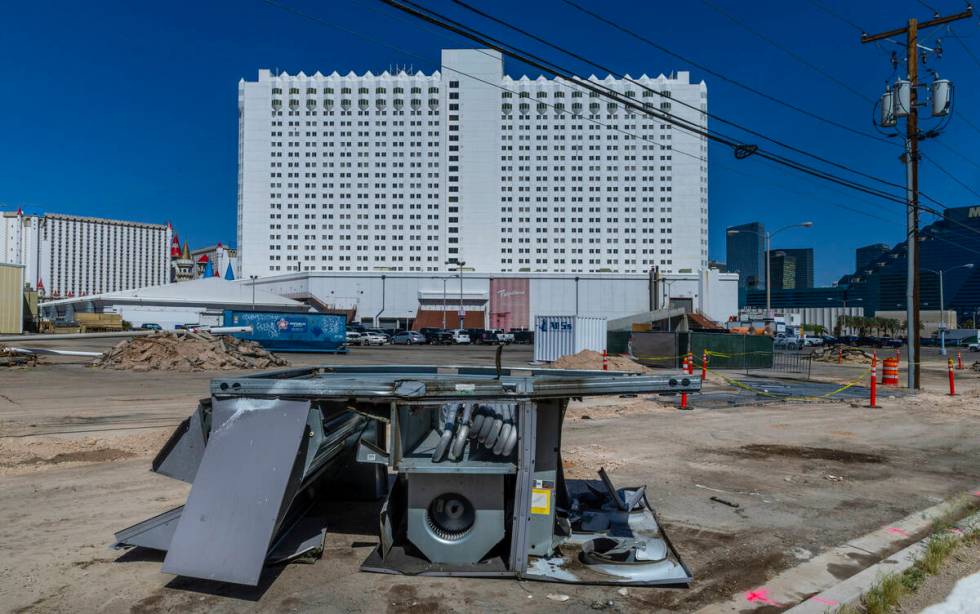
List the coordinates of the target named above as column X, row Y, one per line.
column 788, row 226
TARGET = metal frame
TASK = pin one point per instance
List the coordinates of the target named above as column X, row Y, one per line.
column 445, row 383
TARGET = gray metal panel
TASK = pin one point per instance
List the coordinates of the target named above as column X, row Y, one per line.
column 181, row 457
column 231, row 512
column 544, row 475
column 155, row 533
column 522, row 490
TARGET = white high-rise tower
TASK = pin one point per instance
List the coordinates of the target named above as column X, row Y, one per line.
column 406, row 172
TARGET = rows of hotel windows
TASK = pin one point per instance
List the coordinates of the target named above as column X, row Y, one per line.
column 348, row 183
column 383, row 141
column 89, row 258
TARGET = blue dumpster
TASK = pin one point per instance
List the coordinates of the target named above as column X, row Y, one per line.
column 292, row 332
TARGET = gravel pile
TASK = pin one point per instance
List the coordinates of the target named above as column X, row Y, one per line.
column 167, row 351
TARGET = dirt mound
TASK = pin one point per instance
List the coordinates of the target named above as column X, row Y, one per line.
column 847, row 355
column 588, row 359
column 167, row 351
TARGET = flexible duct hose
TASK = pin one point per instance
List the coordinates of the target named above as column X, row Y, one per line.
column 462, row 434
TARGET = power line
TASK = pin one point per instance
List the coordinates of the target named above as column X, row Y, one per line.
column 665, row 96
column 787, row 51
column 823, row 7
column 934, row 11
column 950, row 175
column 725, row 78
column 435, row 18
column 324, row 22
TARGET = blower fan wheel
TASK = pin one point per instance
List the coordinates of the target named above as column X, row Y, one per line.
column 450, row 517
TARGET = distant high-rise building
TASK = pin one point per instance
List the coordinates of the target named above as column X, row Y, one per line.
column 744, row 254
column 802, row 258
column 864, row 256
column 782, row 270
column 406, row 172
column 68, row 255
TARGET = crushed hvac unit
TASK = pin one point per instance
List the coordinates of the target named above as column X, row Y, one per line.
column 470, row 459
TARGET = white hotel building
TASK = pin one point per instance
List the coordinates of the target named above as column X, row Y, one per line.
column 404, row 172
column 66, row 255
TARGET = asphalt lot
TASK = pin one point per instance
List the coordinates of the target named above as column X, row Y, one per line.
column 75, row 446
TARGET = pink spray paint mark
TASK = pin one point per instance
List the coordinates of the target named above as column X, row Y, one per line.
column 897, row 531
column 976, row 493
column 824, row 601
column 761, row 595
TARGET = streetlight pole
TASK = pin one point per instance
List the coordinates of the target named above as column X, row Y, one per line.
column 942, row 303
column 767, row 239
column 253, row 278
column 459, row 267
column 444, row 279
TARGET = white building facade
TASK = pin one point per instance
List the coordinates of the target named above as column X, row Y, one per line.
column 406, row 172
column 503, row 300
column 67, row 255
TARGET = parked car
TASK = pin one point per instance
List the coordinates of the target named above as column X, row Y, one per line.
column 478, row 335
column 787, row 343
column 459, row 337
column 829, row 340
column 432, row 335
column 848, row 339
column 150, row 326
column 974, row 347
column 891, row 342
column 369, row 338
column 379, row 331
column 499, row 336
column 354, row 338
column 522, row 335
column 408, row 337
column 811, row 341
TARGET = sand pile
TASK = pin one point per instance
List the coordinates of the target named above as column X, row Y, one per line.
column 588, row 359
column 167, row 351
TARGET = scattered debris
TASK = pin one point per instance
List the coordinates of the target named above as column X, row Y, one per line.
column 602, row 605
column 834, row 478
column 724, row 502
column 10, row 358
column 588, row 359
column 557, row 597
column 849, row 355
column 624, row 592
column 201, row 351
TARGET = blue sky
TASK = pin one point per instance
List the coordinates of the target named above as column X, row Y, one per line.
column 129, row 109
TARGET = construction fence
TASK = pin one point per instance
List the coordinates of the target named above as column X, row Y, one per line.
column 725, row 351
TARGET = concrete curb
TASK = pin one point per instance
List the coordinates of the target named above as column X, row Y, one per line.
column 849, row 591
column 822, row 572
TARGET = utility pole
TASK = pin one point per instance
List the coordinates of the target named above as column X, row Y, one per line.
column 911, row 160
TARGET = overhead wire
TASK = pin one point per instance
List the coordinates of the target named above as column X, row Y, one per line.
column 724, row 77
column 435, row 18
column 950, row 175
column 323, row 22
column 799, row 58
column 713, row 116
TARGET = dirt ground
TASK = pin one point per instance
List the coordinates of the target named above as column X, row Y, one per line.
column 76, row 443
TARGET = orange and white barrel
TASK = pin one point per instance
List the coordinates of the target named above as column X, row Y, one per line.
column 889, row 372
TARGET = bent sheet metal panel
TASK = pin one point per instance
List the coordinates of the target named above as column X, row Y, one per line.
column 230, row 516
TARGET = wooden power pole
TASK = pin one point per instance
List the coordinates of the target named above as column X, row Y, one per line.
column 911, row 160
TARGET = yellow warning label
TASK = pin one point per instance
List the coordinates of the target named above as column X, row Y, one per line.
column 541, row 501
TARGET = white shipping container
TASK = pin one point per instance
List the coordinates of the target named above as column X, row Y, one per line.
column 557, row 336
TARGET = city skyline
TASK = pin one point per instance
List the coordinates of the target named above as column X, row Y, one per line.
column 180, row 165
